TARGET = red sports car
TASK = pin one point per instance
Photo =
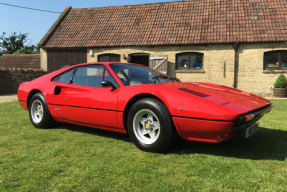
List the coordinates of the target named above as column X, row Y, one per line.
column 151, row 107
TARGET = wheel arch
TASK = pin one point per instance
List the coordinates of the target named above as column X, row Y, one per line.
column 132, row 101
column 30, row 95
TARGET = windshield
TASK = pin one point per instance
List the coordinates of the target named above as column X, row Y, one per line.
column 139, row 74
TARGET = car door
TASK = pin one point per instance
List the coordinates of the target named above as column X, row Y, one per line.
column 54, row 97
column 86, row 101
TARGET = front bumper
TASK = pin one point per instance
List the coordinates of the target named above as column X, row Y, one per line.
column 201, row 130
column 215, row 131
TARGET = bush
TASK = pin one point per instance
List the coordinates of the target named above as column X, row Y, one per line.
column 281, row 82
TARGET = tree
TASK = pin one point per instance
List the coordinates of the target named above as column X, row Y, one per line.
column 13, row 42
column 29, row 50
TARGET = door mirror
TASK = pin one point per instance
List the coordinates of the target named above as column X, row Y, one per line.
column 107, row 84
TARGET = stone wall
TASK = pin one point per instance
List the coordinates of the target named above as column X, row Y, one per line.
column 215, row 58
column 10, row 79
column 156, row 50
column 251, row 75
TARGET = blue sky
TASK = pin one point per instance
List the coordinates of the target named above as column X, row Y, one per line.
column 37, row 23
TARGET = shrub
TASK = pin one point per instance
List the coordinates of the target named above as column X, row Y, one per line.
column 281, row 82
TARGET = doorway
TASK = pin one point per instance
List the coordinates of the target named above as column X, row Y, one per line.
column 139, row 58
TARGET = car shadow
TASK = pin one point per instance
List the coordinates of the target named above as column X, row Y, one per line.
column 266, row 144
column 93, row 131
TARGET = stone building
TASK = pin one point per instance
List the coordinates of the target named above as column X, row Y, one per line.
column 238, row 43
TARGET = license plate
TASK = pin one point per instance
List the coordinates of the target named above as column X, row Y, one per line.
column 251, row 130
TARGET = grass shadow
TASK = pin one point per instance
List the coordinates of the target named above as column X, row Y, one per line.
column 266, row 144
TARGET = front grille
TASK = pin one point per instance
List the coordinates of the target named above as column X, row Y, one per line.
column 247, row 124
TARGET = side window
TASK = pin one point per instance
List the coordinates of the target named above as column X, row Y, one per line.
column 63, row 78
column 89, row 76
column 92, row 76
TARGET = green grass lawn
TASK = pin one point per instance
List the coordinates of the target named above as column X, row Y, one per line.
column 70, row 157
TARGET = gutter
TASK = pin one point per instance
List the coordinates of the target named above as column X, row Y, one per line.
column 235, row 46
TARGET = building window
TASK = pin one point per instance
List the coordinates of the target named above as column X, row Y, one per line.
column 189, row 61
column 109, row 58
column 275, row 60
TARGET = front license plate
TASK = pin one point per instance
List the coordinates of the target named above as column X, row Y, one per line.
column 251, row 130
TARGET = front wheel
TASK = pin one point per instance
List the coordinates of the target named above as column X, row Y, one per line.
column 150, row 126
column 39, row 112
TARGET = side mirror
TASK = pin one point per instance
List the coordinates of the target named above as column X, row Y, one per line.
column 107, row 84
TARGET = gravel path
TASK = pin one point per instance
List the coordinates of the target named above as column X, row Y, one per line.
column 6, row 98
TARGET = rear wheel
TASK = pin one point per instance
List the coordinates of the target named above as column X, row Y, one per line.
column 150, row 126
column 39, row 112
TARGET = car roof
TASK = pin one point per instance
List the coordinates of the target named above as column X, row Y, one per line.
column 99, row 63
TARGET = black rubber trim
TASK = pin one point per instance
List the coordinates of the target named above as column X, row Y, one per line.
column 241, row 120
column 84, row 107
column 203, row 119
column 264, row 110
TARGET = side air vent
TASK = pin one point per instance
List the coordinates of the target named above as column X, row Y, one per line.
column 57, row 90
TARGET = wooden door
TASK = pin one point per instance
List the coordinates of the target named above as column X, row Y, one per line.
column 158, row 62
column 58, row 58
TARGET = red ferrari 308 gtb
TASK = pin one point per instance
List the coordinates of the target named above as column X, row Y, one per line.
column 148, row 105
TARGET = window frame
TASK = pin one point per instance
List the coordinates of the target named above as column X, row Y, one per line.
column 279, row 54
column 109, row 55
column 189, row 54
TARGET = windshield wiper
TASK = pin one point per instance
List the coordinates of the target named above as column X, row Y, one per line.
column 165, row 77
column 159, row 76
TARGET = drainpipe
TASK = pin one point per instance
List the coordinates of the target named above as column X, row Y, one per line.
column 235, row 46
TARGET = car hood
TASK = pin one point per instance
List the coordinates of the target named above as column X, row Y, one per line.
column 231, row 98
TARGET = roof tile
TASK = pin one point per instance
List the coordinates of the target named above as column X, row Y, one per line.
column 20, row 61
column 179, row 22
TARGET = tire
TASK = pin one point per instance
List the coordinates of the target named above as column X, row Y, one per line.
column 39, row 112
column 150, row 126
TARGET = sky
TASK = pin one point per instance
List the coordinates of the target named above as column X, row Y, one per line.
column 37, row 23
